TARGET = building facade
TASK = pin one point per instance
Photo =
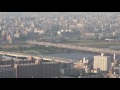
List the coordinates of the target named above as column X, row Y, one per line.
column 102, row 62
column 38, row 70
column 7, row 72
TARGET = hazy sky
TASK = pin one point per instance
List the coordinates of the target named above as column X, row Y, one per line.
column 54, row 13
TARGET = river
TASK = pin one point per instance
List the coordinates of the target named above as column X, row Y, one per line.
column 73, row 56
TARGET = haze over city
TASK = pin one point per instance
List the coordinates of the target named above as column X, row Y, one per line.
column 59, row 44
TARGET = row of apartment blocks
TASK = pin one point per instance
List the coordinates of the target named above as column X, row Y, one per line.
column 103, row 66
column 30, row 68
column 38, row 69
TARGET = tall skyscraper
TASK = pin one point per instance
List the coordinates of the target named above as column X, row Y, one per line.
column 102, row 62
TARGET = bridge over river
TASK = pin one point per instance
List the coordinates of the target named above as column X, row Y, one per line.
column 90, row 49
column 57, row 59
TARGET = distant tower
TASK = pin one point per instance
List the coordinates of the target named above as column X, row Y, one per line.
column 10, row 40
column 114, row 57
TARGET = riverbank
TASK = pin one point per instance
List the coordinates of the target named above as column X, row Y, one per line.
column 41, row 49
column 96, row 44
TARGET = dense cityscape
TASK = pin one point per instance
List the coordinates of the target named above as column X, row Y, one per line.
column 57, row 44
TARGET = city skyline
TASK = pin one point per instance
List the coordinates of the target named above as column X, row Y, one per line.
column 59, row 44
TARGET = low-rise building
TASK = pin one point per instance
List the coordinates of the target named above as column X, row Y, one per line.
column 72, row 72
column 7, row 72
column 91, row 75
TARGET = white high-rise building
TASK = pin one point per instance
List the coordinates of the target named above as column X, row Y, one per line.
column 102, row 62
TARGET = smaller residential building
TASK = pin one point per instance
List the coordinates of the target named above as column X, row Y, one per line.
column 91, row 75
column 7, row 72
column 72, row 72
